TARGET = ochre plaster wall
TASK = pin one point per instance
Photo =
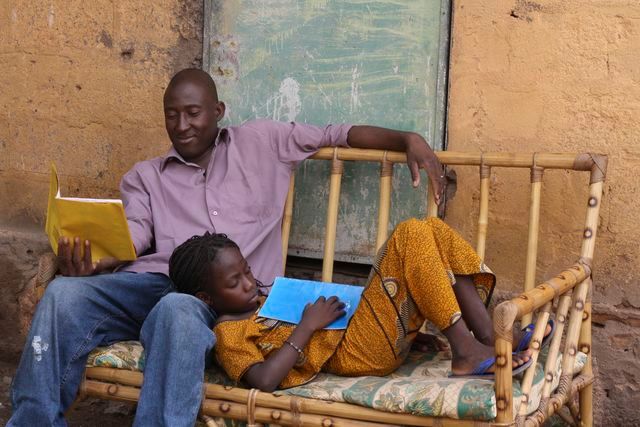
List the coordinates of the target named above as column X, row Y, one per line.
column 82, row 82
column 81, row 85
column 558, row 76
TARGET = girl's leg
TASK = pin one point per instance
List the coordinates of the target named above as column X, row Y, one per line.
column 476, row 315
column 431, row 253
column 412, row 280
column 473, row 310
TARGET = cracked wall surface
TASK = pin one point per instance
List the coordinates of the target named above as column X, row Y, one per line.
column 558, row 76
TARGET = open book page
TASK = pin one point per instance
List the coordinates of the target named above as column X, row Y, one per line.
column 288, row 298
column 101, row 221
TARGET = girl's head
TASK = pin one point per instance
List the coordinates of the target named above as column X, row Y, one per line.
column 212, row 268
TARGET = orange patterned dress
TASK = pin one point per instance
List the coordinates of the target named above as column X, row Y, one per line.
column 410, row 282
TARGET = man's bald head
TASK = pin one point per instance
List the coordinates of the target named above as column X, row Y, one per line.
column 193, row 76
column 191, row 115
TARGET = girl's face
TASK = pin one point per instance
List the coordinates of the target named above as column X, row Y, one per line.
column 230, row 285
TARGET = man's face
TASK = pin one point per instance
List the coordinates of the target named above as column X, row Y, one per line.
column 191, row 116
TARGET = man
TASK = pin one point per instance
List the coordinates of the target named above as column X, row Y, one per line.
column 232, row 180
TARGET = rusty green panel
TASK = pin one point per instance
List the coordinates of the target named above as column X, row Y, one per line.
column 321, row 61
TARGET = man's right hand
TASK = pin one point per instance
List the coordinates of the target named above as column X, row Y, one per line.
column 72, row 262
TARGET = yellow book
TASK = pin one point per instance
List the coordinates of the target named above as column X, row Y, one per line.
column 101, row 221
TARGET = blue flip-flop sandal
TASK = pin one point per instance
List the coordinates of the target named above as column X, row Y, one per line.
column 523, row 344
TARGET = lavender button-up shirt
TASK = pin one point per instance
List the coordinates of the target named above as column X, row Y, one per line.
column 241, row 193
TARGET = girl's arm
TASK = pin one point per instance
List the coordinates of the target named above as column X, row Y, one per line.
column 268, row 375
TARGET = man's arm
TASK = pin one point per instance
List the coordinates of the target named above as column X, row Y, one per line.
column 419, row 153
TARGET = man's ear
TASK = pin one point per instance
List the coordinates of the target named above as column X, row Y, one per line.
column 204, row 297
column 220, row 109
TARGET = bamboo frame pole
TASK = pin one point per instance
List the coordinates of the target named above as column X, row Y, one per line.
column 119, row 392
column 504, row 380
column 233, row 410
column 483, row 217
column 532, row 240
column 598, row 173
column 591, row 221
column 532, row 300
column 384, row 203
column 572, row 161
column 320, row 407
column 503, row 318
column 102, row 378
column 535, row 346
column 584, row 343
column 571, row 339
column 550, row 364
column 337, row 167
column 238, row 411
column 286, row 220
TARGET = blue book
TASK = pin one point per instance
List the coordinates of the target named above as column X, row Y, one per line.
column 288, row 298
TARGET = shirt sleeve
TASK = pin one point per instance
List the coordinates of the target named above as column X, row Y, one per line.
column 236, row 349
column 293, row 142
column 137, row 206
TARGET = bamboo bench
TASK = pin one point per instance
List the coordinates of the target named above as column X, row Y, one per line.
column 566, row 296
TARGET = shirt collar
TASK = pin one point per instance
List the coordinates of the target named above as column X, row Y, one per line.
column 172, row 154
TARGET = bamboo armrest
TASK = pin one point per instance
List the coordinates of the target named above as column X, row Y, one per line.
column 507, row 312
column 572, row 283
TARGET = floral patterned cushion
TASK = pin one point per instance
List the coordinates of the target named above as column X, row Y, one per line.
column 127, row 355
column 420, row 386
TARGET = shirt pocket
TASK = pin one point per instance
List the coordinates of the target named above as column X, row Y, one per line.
column 249, row 198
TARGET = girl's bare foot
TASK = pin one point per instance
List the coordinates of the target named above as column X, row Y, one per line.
column 468, row 362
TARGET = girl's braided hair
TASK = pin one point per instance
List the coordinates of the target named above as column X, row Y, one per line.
column 189, row 262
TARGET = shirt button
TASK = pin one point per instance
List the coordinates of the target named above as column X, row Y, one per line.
column 214, row 213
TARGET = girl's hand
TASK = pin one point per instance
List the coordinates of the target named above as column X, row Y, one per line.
column 322, row 313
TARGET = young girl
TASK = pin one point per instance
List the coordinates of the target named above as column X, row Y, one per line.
column 424, row 271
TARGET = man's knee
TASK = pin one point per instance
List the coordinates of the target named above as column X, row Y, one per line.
column 65, row 292
column 176, row 308
column 177, row 302
column 177, row 315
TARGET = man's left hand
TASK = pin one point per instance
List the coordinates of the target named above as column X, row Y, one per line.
column 421, row 156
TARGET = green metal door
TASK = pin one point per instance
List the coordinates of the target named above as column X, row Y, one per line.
column 381, row 63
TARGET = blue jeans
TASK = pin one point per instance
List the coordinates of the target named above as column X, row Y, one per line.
column 78, row 314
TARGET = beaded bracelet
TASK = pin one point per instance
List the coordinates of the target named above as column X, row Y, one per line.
column 295, row 347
